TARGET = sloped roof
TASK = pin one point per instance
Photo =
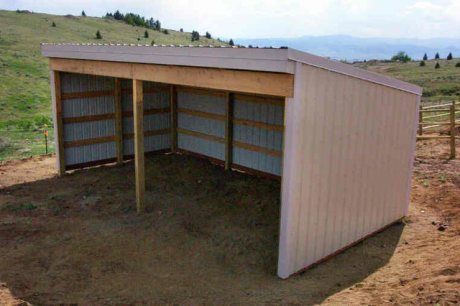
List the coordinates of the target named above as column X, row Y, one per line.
column 280, row 60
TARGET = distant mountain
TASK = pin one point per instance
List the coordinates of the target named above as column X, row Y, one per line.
column 354, row 48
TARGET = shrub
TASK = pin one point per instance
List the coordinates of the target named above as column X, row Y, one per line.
column 53, row 24
column 195, row 36
column 208, row 35
column 230, row 42
column 146, row 34
column 152, row 43
column 181, row 30
column 401, row 56
column 422, row 64
column 425, row 57
column 83, row 14
column 457, row 65
column 165, row 31
column 437, row 66
column 449, row 57
column 98, row 35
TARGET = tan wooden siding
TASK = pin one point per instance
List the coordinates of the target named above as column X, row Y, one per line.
column 347, row 163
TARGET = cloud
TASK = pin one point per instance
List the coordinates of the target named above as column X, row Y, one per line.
column 275, row 18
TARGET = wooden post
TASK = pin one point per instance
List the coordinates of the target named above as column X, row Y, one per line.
column 173, row 103
column 138, row 118
column 229, row 132
column 420, row 120
column 118, row 121
column 452, row 131
column 58, row 125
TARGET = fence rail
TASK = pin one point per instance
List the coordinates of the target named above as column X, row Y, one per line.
column 445, row 110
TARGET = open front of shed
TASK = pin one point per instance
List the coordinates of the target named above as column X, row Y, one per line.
column 340, row 139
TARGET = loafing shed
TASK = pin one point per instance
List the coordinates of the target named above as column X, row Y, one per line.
column 341, row 139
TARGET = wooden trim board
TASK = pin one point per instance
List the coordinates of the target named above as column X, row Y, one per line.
column 266, row 83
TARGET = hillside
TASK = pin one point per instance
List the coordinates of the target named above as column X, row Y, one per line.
column 24, row 77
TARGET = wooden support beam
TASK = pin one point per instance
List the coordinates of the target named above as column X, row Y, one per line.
column 118, row 120
column 173, row 105
column 420, row 121
column 58, row 124
column 257, row 82
column 229, row 132
column 138, row 112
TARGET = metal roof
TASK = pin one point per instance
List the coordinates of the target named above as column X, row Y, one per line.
column 259, row 59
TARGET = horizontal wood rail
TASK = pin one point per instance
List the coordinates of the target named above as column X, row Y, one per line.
column 206, row 115
column 147, row 112
column 260, row 99
column 148, row 133
column 86, row 94
column 201, row 135
column 147, row 90
column 88, row 118
column 258, row 124
column 259, row 149
column 89, row 141
column 247, row 122
column 238, row 81
column 201, row 91
column 238, row 144
column 441, row 105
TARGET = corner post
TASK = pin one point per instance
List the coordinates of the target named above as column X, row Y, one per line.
column 229, row 132
column 138, row 117
column 118, row 121
column 55, row 80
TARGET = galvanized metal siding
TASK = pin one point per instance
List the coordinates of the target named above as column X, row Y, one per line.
column 270, row 139
column 210, row 103
column 157, row 99
column 347, row 164
column 77, row 83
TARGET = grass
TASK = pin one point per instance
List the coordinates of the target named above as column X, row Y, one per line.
column 25, row 108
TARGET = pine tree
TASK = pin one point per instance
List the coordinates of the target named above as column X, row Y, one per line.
column 208, row 35
column 53, row 24
column 436, row 56
column 449, row 57
column 195, row 36
column 230, row 42
column 146, row 34
column 437, row 66
column 422, row 64
column 181, row 30
column 425, row 57
column 83, row 14
column 117, row 15
column 98, row 35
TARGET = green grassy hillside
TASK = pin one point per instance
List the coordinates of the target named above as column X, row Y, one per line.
column 24, row 78
column 441, row 84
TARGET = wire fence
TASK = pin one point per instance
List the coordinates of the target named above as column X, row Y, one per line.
column 17, row 143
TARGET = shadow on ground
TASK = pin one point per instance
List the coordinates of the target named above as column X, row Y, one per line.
column 207, row 237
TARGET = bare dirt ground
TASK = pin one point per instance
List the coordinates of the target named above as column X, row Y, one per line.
column 210, row 237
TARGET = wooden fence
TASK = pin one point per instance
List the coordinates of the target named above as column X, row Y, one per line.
column 434, row 121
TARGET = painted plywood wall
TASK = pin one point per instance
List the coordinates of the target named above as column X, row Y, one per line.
column 348, row 158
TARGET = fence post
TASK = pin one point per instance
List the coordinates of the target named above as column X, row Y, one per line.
column 452, row 130
column 420, row 120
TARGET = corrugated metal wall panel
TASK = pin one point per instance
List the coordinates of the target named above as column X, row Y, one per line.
column 78, row 107
column 204, row 102
column 90, row 153
column 258, row 136
column 347, row 162
column 159, row 98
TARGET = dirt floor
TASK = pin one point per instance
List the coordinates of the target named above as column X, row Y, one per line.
column 209, row 237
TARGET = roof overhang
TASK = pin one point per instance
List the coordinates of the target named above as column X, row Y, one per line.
column 279, row 60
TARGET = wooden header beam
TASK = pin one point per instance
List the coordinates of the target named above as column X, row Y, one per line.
column 257, row 82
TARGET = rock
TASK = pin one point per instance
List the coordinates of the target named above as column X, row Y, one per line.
column 441, row 228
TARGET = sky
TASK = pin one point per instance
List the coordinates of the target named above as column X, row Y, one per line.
column 277, row 18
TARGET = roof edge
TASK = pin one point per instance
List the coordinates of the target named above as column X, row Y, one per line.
column 347, row 69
